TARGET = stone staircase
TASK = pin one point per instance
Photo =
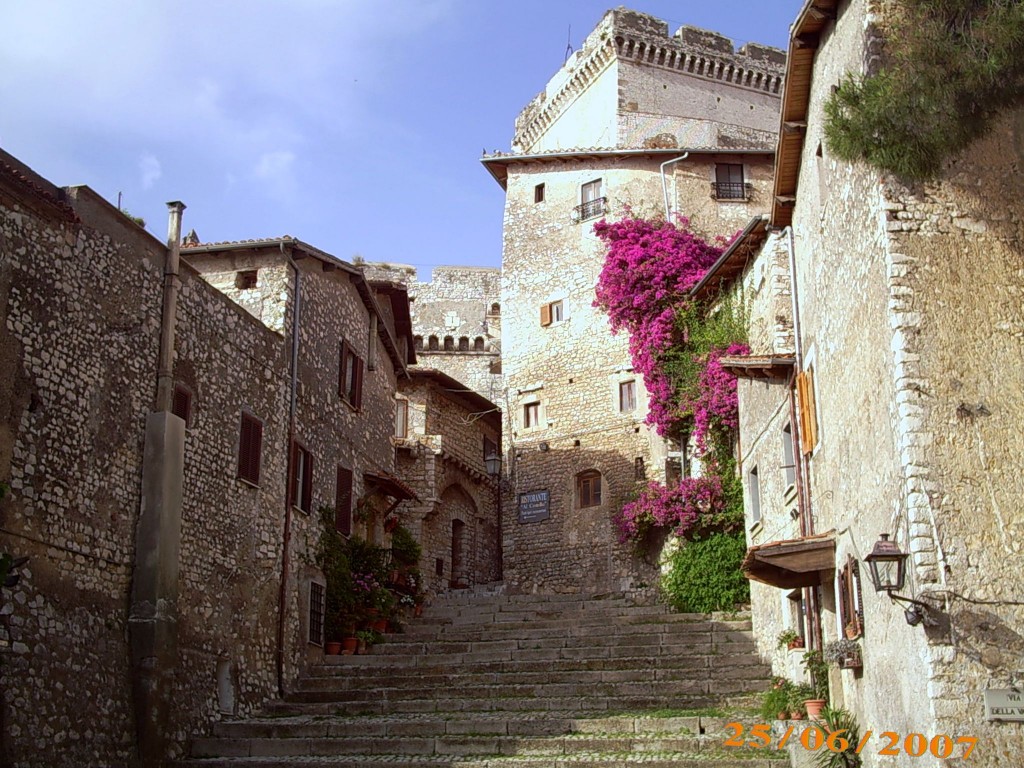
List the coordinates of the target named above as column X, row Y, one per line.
column 487, row 680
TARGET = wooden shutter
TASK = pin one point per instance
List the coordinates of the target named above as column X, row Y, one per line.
column 306, row 502
column 293, row 476
column 357, row 382
column 343, row 502
column 808, row 422
column 250, row 445
column 181, row 403
column 545, row 314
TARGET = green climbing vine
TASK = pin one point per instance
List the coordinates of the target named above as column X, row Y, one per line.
column 949, row 68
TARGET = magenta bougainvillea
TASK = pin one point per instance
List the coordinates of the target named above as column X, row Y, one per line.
column 648, row 273
column 649, row 270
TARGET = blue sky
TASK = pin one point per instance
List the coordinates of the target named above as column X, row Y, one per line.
column 356, row 125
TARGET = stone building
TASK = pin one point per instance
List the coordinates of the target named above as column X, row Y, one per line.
column 882, row 396
column 636, row 119
column 444, row 433
column 456, row 320
column 171, row 538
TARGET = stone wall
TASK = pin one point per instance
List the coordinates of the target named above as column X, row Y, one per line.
column 81, row 296
column 911, row 320
column 631, row 83
column 573, row 368
column 442, row 458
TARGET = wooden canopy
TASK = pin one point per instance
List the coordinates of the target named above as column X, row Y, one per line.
column 792, row 563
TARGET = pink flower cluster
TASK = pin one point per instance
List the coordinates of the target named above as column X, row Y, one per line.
column 716, row 403
column 365, row 582
column 678, row 507
column 650, row 268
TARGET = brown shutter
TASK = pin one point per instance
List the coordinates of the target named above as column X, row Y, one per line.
column 249, row 447
column 293, row 473
column 808, row 424
column 357, row 387
column 343, row 502
column 545, row 314
column 341, row 369
column 181, row 403
column 307, row 482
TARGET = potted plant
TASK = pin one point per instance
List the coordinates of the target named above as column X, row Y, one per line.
column 843, row 653
column 843, row 722
column 775, row 701
column 788, row 638
column 817, row 668
column 798, row 694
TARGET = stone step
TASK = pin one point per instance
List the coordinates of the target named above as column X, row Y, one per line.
column 607, row 760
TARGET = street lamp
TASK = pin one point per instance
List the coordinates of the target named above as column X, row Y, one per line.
column 493, row 464
column 888, row 564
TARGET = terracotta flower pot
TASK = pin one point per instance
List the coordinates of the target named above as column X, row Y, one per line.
column 332, row 648
column 348, row 646
column 379, row 625
column 814, row 707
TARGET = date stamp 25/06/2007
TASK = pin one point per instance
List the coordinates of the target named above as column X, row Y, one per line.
column 814, row 737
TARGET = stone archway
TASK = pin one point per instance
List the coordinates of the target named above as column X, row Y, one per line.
column 457, row 519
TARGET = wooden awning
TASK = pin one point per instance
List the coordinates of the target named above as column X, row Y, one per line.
column 390, row 486
column 758, row 366
column 792, row 563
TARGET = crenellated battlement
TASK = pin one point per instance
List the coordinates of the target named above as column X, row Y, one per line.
column 630, row 36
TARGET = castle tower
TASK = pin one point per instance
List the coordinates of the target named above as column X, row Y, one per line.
column 634, row 118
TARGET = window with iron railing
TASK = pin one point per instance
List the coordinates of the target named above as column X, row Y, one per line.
column 590, row 209
column 729, row 183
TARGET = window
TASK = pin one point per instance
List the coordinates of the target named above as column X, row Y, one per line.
column 788, row 457
column 246, row 280
column 639, row 470
column 300, row 487
column 538, row 193
column 797, row 613
column 553, row 312
column 627, row 396
column 851, row 610
column 316, row 613
column 495, row 309
column 401, row 418
column 531, row 415
column 490, row 448
column 808, row 414
column 250, row 444
column 588, row 489
column 350, row 376
column 343, row 501
column 449, row 344
column 181, row 403
column 591, row 201
column 478, row 344
column 464, row 344
column 432, row 343
column 754, row 486
column 729, row 182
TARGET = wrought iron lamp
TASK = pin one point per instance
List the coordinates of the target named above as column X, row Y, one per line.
column 888, row 564
column 493, row 464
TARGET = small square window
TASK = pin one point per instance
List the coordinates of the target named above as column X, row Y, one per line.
column 729, row 183
column 250, row 446
column 531, row 415
column 588, row 489
column 316, row 613
column 301, row 486
column 538, row 193
column 553, row 312
column 401, row 418
column 181, row 403
column 247, row 279
column 627, row 396
column 754, row 485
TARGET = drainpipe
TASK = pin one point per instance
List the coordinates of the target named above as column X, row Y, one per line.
column 282, row 597
column 172, row 285
column 803, row 466
column 664, row 182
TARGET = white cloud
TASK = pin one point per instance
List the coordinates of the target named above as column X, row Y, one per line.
column 149, row 170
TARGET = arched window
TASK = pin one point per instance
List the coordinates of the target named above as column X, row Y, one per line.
column 432, row 342
column 464, row 344
column 449, row 344
column 478, row 344
column 588, row 489
column 418, row 342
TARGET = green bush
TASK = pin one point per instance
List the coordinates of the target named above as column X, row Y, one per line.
column 704, row 575
column 405, row 550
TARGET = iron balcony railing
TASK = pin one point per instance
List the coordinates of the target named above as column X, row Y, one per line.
column 590, row 209
column 731, row 190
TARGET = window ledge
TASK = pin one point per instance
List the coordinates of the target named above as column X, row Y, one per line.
column 247, row 482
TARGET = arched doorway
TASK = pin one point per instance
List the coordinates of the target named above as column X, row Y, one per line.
column 460, row 571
